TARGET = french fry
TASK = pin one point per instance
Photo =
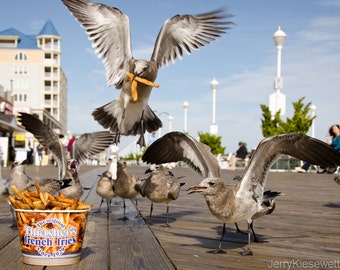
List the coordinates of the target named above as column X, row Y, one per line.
column 16, row 191
column 40, row 200
column 133, row 80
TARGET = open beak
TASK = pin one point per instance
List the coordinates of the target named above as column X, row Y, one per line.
column 194, row 189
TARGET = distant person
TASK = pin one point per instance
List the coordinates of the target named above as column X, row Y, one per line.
column 70, row 146
column 40, row 149
column 240, row 154
column 333, row 139
column 12, row 154
column 29, row 154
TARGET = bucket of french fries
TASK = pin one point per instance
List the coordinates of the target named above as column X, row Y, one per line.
column 51, row 228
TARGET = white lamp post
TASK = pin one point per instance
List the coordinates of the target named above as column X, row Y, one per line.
column 277, row 100
column 185, row 107
column 170, row 119
column 213, row 126
column 313, row 109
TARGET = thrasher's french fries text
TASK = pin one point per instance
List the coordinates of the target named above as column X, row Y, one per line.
column 59, row 228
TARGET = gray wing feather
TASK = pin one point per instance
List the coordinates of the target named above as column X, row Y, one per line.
column 177, row 146
column 91, row 143
column 48, row 138
column 109, row 31
column 185, row 32
column 297, row 145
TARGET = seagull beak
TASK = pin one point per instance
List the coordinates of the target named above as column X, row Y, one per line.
column 194, row 189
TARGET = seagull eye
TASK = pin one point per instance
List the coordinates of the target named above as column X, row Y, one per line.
column 146, row 67
column 212, row 183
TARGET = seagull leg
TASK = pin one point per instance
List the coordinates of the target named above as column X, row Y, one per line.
column 98, row 211
column 108, row 204
column 248, row 250
column 167, row 216
column 138, row 212
column 238, row 229
column 151, row 208
column 141, row 140
column 219, row 250
column 256, row 240
column 124, row 207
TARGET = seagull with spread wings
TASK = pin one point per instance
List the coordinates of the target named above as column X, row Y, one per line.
column 109, row 31
column 87, row 144
column 244, row 201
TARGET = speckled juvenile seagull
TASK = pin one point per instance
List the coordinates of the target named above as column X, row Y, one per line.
column 109, row 31
column 161, row 187
column 241, row 202
column 87, row 144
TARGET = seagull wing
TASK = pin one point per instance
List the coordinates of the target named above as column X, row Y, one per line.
column 269, row 150
column 47, row 137
column 91, row 144
column 186, row 32
column 177, row 146
column 109, row 31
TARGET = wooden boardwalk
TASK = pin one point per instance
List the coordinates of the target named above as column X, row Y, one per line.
column 302, row 233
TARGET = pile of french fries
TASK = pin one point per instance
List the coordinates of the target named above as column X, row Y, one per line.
column 39, row 200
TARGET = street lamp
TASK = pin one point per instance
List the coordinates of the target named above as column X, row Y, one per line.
column 213, row 126
column 160, row 129
column 170, row 119
column 185, row 107
column 277, row 100
column 313, row 109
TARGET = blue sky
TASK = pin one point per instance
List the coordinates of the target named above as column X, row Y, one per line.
column 243, row 61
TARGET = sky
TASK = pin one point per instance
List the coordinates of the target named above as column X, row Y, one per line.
column 243, row 61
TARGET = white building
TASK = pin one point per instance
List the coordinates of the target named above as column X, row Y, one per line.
column 31, row 72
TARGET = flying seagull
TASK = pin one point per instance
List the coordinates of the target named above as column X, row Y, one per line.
column 109, row 31
column 87, row 144
column 231, row 203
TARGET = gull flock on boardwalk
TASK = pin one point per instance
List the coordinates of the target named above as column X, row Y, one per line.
column 244, row 201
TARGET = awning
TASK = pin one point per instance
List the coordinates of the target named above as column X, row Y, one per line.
column 8, row 123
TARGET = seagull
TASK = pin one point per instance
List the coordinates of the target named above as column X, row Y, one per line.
column 87, row 144
column 160, row 187
column 105, row 189
column 19, row 178
column 268, row 206
column 126, row 186
column 109, row 31
column 230, row 203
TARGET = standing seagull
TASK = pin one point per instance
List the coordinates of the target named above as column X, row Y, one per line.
column 161, row 188
column 231, row 203
column 268, row 207
column 105, row 189
column 126, row 186
column 109, row 31
column 87, row 144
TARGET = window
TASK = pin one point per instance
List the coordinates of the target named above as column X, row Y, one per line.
column 20, row 56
